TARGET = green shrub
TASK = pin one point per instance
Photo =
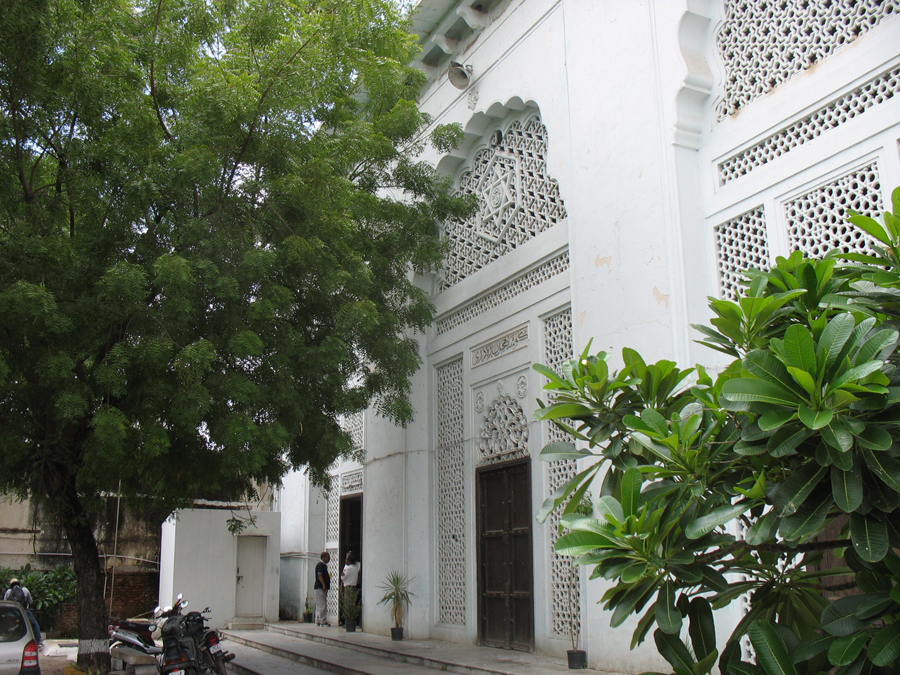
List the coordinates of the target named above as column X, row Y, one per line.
column 50, row 590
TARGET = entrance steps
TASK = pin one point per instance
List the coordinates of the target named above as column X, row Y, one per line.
column 297, row 648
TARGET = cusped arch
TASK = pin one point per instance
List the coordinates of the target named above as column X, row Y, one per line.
column 695, row 40
column 477, row 128
column 504, row 431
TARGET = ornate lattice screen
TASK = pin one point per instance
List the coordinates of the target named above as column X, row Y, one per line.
column 851, row 105
column 817, row 220
column 741, row 243
column 451, row 516
column 763, row 43
column 354, row 425
column 504, row 431
column 559, row 264
column 565, row 600
column 332, row 537
column 517, row 200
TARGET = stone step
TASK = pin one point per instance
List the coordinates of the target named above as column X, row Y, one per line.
column 336, row 650
column 252, row 661
column 271, row 653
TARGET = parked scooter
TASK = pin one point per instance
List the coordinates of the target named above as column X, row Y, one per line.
column 128, row 640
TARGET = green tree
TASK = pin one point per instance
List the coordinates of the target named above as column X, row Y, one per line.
column 796, row 440
column 211, row 210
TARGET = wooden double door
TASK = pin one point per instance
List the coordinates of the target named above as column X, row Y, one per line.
column 506, row 578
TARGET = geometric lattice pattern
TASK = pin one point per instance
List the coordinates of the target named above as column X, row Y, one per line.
column 504, row 431
column 565, row 600
column 332, row 606
column 353, row 424
column 817, row 220
column 532, row 278
column 451, row 516
column 850, row 105
column 763, row 43
column 517, row 200
column 741, row 243
column 333, row 512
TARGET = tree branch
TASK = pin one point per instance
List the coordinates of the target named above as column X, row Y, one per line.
column 743, row 547
column 240, row 157
column 162, row 122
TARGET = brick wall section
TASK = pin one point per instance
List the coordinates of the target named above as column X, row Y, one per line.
column 134, row 593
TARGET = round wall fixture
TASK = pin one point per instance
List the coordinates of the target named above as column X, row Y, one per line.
column 459, row 75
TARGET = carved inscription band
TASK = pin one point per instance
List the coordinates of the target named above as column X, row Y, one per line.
column 510, row 342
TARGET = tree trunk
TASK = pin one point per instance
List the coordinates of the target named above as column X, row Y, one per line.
column 93, row 617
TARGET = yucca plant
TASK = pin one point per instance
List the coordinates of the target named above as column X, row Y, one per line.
column 397, row 595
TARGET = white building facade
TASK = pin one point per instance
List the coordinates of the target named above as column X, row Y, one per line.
column 629, row 158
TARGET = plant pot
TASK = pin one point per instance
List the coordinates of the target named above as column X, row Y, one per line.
column 577, row 659
column 397, row 634
column 307, row 617
column 350, row 625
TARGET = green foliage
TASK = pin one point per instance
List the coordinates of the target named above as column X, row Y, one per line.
column 396, row 595
column 211, row 210
column 351, row 608
column 797, row 435
column 50, row 590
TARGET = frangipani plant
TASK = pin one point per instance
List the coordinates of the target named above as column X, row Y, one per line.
column 795, row 441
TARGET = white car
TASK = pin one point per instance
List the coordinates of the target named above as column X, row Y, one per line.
column 18, row 648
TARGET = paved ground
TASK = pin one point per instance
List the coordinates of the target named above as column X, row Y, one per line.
column 53, row 665
column 57, row 655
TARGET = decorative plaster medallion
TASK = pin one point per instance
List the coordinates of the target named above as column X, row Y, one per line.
column 479, row 401
column 509, row 342
column 499, row 196
column 522, row 386
column 473, row 98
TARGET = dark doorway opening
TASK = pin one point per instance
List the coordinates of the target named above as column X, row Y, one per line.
column 351, row 534
column 505, row 566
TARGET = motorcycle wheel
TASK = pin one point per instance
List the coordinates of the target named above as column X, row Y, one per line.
column 214, row 665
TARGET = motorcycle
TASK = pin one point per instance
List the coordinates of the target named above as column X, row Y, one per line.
column 189, row 646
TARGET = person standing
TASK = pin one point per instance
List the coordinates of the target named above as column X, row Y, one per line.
column 321, row 587
column 18, row 593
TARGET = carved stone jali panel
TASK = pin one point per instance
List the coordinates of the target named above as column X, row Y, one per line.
column 502, row 421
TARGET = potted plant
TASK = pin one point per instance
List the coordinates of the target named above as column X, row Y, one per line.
column 308, row 610
column 577, row 657
column 397, row 595
column 351, row 608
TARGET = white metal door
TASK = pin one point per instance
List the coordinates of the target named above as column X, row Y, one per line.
column 251, row 566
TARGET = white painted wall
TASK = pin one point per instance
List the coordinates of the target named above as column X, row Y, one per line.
column 627, row 92
column 199, row 558
column 293, row 503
